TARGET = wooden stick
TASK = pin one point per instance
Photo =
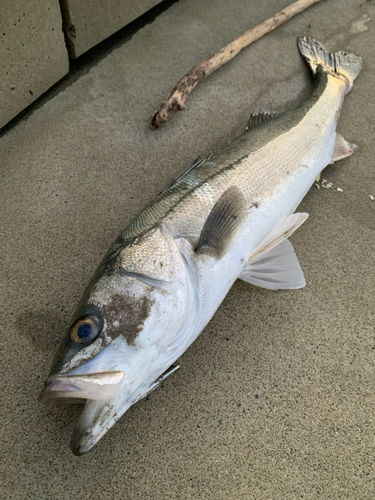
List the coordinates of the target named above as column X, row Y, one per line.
column 179, row 94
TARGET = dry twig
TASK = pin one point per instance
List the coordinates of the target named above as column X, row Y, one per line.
column 179, row 94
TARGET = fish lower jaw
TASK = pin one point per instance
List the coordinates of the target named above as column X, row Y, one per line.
column 95, row 420
column 98, row 417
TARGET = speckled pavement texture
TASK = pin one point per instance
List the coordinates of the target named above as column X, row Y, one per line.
column 275, row 399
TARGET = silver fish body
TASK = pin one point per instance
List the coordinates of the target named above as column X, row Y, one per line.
column 167, row 273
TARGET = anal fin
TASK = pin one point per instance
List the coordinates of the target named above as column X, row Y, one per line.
column 342, row 148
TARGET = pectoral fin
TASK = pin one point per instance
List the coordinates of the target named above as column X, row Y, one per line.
column 277, row 269
column 342, row 148
column 222, row 223
column 273, row 263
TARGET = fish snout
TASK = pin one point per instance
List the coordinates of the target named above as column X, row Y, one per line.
column 68, row 389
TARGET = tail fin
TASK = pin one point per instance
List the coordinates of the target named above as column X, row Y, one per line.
column 341, row 63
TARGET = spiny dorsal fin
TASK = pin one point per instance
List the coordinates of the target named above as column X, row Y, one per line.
column 259, row 117
column 223, row 222
column 194, row 164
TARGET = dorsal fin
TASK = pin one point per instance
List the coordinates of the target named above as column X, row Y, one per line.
column 194, row 164
column 259, row 118
column 223, row 222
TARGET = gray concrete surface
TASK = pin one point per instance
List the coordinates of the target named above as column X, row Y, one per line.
column 33, row 54
column 275, row 399
column 88, row 22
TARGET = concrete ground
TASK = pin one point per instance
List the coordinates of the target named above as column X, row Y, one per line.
column 275, row 400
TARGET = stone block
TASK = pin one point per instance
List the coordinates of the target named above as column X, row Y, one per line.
column 33, row 54
column 88, row 22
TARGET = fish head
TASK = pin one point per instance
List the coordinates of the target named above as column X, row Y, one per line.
column 114, row 349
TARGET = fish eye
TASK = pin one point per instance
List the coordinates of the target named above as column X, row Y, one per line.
column 85, row 329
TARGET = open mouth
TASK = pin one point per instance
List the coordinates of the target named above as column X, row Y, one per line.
column 70, row 389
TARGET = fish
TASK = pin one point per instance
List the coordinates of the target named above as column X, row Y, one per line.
column 226, row 216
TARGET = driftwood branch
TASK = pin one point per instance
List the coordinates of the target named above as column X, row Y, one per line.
column 178, row 96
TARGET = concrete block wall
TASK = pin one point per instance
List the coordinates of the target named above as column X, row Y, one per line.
column 33, row 54
column 88, row 22
column 33, row 50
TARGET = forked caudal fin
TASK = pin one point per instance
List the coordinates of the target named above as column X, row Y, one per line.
column 341, row 63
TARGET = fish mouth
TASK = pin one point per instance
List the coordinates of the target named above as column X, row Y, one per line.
column 77, row 389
